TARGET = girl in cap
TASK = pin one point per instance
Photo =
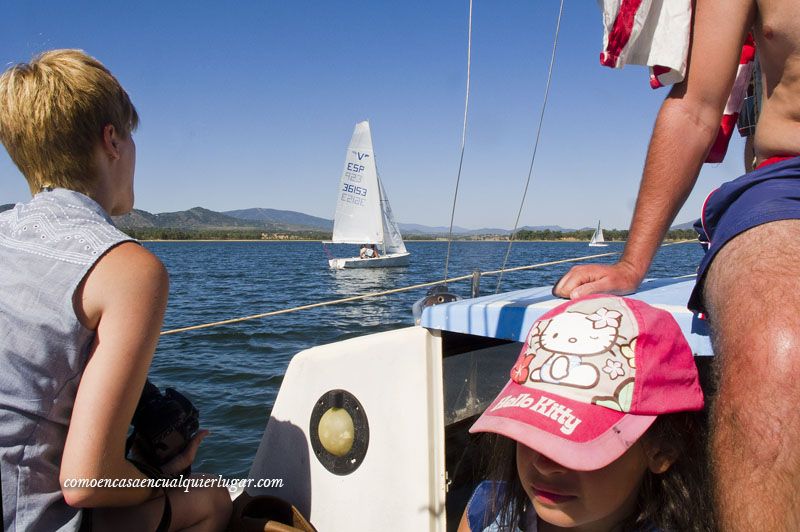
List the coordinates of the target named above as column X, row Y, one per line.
column 600, row 427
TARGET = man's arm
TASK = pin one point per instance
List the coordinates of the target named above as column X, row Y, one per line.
column 124, row 297
column 685, row 129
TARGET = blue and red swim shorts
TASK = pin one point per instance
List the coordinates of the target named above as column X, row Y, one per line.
column 769, row 193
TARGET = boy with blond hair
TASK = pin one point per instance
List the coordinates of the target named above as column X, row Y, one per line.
column 81, row 307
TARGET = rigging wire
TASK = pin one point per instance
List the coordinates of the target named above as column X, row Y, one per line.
column 535, row 147
column 463, row 143
column 395, row 291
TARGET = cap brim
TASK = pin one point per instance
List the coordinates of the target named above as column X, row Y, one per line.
column 579, row 436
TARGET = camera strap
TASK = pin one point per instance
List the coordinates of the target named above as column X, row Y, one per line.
column 166, row 517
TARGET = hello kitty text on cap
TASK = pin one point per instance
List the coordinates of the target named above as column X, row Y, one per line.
column 591, row 378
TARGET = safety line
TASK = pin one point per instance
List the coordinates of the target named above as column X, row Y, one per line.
column 393, row 291
column 535, row 145
column 463, row 143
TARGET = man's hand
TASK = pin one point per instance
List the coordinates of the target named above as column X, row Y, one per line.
column 619, row 279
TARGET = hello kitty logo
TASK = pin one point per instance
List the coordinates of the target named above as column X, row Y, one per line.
column 577, row 349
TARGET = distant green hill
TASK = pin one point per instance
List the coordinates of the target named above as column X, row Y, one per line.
column 195, row 218
column 200, row 223
column 279, row 217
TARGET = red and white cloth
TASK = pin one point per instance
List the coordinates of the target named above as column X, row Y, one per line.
column 653, row 33
column 728, row 123
column 656, row 33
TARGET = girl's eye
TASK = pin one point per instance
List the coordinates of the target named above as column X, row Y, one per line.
column 555, row 335
column 594, row 337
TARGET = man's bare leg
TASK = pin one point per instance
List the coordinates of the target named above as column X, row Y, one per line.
column 752, row 293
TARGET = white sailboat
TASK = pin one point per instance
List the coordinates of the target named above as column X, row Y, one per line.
column 363, row 214
column 597, row 240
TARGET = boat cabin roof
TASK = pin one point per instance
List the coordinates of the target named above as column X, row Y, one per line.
column 510, row 315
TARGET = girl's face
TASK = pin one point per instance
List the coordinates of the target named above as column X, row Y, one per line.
column 583, row 500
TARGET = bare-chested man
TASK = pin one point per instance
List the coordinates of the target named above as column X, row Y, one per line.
column 750, row 290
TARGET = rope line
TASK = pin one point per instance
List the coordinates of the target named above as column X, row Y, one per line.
column 463, row 143
column 392, row 291
column 535, row 145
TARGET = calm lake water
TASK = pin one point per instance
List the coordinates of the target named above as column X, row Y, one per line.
column 232, row 372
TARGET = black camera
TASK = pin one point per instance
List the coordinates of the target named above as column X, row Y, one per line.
column 163, row 425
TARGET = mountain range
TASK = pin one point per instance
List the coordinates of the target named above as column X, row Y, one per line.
column 275, row 220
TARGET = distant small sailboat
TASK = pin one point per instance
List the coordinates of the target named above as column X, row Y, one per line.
column 363, row 215
column 597, row 240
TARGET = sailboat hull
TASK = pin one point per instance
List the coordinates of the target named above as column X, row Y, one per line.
column 598, row 245
column 384, row 261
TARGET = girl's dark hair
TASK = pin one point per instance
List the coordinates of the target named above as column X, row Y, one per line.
column 676, row 500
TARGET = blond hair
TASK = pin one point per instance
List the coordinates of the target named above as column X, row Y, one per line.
column 52, row 114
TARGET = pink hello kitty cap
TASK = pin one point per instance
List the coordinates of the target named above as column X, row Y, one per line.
column 591, row 378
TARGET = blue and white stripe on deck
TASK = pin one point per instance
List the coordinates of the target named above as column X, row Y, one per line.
column 510, row 315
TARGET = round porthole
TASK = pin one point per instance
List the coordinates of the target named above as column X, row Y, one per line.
column 339, row 432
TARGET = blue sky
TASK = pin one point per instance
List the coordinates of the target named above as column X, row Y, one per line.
column 252, row 104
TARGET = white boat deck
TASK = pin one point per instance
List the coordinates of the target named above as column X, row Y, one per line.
column 510, row 315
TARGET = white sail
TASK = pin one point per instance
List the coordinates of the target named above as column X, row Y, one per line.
column 358, row 218
column 363, row 214
column 392, row 239
column 597, row 237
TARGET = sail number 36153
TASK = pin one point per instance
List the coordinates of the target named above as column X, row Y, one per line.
column 353, row 189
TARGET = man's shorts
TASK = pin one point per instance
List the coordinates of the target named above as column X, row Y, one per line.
column 767, row 194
